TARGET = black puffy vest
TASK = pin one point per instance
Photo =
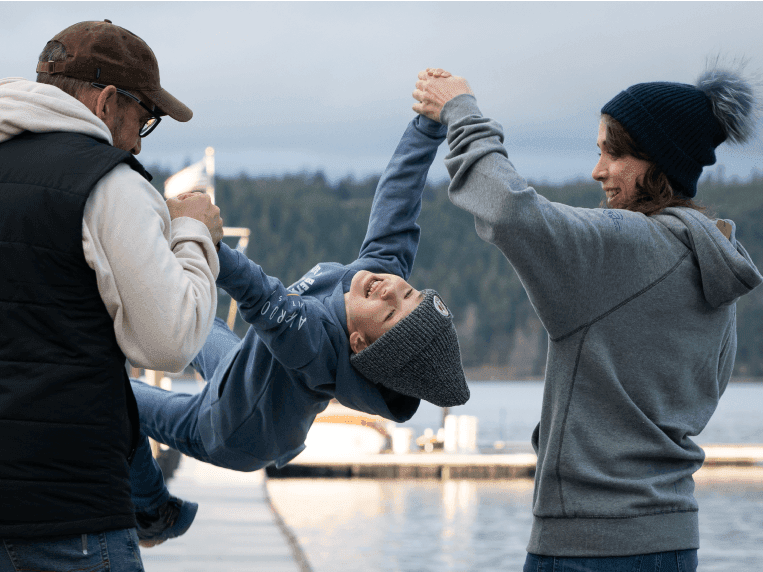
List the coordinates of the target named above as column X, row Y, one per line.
column 68, row 418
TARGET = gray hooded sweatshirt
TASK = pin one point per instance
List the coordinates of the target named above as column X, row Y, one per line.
column 640, row 314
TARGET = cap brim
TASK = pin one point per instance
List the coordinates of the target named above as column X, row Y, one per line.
column 169, row 104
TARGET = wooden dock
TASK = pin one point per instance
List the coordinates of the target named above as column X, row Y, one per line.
column 413, row 466
column 733, row 455
column 235, row 530
column 474, row 466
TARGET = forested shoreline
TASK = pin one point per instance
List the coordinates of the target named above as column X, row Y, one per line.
column 300, row 220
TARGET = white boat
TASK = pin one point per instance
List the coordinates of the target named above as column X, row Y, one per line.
column 340, row 432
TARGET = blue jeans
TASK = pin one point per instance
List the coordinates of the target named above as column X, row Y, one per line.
column 146, row 480
column 172, row 418
column 676, row 561
column 114, row 551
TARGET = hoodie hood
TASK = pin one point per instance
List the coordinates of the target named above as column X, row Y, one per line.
column 40, row 108
column 727, row 271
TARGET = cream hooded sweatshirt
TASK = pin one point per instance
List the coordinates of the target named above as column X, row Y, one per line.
column 155, row 276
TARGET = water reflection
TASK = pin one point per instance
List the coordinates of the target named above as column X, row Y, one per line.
column 730, row 518
column 474, row 525
column 458, row 526
column 407, row 525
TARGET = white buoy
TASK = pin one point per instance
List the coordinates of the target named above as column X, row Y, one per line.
column 467, row 434
column 401, row 440
column 450, row 434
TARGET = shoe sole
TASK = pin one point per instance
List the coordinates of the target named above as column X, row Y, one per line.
column 185, row 520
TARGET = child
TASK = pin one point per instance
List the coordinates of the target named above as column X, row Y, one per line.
column 359, row 333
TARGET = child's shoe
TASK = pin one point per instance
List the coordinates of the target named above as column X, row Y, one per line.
column 170, row 520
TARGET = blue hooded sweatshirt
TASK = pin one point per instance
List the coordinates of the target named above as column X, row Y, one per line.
column 295, row 357
column 641, row 318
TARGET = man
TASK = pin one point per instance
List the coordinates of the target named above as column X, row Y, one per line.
column 93, row 272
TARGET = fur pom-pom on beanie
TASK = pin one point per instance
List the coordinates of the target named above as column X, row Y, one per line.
column 733, row 99
column 680, row 125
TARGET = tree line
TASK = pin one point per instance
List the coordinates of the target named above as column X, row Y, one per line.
column 302, row 219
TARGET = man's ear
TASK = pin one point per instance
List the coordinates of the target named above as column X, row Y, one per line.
column 357, row 342
column 106, row 104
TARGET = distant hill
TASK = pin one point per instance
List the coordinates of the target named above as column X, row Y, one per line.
column 299, row 220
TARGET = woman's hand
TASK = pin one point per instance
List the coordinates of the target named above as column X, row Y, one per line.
column 436, row 87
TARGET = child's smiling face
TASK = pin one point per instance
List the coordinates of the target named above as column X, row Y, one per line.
column 374, row 304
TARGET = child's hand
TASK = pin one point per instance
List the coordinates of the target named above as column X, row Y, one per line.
column 437, row 72
column 436, row 87
column 198, row 205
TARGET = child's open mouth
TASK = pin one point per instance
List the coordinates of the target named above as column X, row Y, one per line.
column 372, row 286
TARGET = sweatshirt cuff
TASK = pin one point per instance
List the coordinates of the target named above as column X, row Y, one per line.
column 228, row 262
column 189, row 229
column 460, row 106
column 431, row 128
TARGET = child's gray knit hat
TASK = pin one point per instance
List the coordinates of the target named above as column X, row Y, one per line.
column 419, row 356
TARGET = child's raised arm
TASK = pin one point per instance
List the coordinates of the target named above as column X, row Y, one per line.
column 393, row 235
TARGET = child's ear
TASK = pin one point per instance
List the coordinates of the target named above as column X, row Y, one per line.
column 357, row 342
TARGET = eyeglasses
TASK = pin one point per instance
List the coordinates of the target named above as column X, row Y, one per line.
column 152, row 121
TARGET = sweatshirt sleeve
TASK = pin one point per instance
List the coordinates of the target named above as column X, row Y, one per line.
column 564, row 256
column 156, row 279
column 290, row 325
column 393, row 235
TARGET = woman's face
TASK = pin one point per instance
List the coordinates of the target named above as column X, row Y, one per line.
column 618, row 175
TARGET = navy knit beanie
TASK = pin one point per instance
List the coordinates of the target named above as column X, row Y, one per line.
column 679, row 125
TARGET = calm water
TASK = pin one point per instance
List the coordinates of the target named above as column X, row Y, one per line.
column 469, row 525
column 510, row 411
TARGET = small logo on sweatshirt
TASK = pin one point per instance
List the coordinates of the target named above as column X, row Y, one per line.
column 440, row 307
column 615, row 216
column 303, row 284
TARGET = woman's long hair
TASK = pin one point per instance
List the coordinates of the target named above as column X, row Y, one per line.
column 653, row 193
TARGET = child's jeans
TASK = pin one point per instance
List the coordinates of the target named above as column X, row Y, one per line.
column 172, row 418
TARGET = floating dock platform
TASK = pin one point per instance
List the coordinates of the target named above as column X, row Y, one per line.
column 733, row 455
column 413, row 466
column 467, row 466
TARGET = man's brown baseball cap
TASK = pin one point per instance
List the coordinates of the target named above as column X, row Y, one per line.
column 101, row 52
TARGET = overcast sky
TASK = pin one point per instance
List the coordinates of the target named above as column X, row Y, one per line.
column 287, row 86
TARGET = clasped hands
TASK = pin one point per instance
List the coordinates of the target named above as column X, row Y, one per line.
column 198, row 205
column 436, row 87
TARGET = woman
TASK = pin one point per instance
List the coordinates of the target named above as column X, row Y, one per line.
column 639, row 304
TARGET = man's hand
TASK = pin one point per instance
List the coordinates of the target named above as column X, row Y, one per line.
column 435, row 88
column 198, row 205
